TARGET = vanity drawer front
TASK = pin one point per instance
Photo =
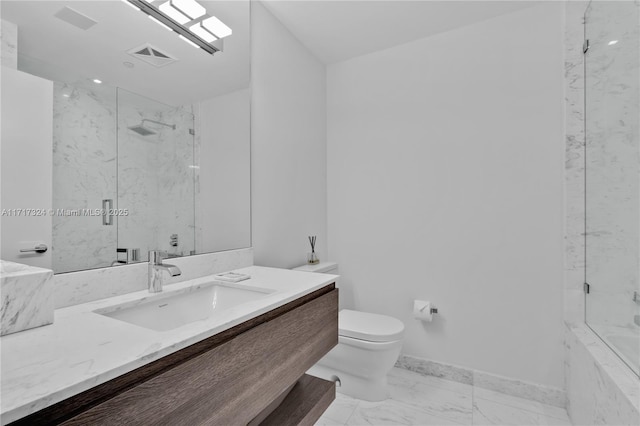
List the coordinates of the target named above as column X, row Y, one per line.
column 233, row 382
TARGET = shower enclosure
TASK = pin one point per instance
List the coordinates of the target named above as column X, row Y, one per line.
column 612, row 178
column 131, row 156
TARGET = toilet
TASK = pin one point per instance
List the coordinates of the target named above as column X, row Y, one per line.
column 368, row 347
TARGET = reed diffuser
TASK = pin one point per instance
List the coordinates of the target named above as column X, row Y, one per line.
column 312, row 259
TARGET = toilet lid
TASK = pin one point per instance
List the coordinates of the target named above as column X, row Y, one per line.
column 370, row 327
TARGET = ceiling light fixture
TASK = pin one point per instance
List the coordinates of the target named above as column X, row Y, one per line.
column 166, row 27
column 188, row 41
column 131, row 5
column 183, row 11
column 96, row 81
column 612, row 42
column 189, row 19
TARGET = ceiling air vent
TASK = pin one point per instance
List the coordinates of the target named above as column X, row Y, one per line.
column 152, row 55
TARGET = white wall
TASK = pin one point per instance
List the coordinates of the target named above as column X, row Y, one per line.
column 26, row 146
column 224, row 174
column 445, row 183
column 288, row 138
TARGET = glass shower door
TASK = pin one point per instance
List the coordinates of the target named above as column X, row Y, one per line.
column 156, row 188
column 612, row 117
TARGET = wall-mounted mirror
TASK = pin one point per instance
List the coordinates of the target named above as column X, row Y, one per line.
column 149, row 130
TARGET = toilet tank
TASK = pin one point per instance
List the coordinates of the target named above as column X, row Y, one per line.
column 345, row 297
column 322, row 267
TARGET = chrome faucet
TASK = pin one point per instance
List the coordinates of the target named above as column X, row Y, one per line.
column 156, row 267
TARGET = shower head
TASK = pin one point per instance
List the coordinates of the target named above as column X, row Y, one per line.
column 142, row 131
column 145, row 131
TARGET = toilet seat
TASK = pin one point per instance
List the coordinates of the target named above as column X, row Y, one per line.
column 369, row 327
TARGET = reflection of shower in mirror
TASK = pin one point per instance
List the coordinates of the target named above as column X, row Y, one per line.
column 145, row 131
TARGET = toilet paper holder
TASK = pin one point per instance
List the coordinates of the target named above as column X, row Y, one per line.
column 433, row 310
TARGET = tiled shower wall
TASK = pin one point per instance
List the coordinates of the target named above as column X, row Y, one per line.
column 94, row 150
column 155, row 178
column 612, row 122
column 600, row 389
column 613, row 147
column 9, row 44
column 84, row 173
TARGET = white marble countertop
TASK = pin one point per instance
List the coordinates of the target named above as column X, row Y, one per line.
column 83, row 349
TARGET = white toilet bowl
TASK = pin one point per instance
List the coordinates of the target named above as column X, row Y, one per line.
column 368, row 347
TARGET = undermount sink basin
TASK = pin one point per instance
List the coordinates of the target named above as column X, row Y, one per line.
column 174, row 309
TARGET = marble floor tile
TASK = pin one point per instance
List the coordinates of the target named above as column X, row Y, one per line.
column 524, row 404
column 341, row 409
column 487, row 412
column 325, row 421
column 391, row 412
column 419, row 400
column 433, row 400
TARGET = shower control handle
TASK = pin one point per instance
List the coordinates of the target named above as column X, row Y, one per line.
column 40, row 248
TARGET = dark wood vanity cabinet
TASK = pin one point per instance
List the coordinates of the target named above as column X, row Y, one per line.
column 233, row 378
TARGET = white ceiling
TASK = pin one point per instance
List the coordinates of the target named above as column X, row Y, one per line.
column 56, row 50
column 335, row 31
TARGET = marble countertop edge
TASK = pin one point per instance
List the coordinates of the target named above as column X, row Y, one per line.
column 33, row 379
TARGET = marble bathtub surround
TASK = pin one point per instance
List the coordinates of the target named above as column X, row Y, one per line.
column 416, row 399
column 9, row 44
column 27, row 297
column 77, row 358
column 600, row 388
column 517, row 388
column 85, row 286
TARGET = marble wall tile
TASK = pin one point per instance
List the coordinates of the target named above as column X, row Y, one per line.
column 599, row 386
column 155, row 177
column 84, row 173
column 27, row 297
column 97, row 156
column 611, row 141
column 612, row 79
column 9, row 44
column 84, row 286
column 506, row 385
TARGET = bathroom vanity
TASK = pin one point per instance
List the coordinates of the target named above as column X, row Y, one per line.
column 242, row 365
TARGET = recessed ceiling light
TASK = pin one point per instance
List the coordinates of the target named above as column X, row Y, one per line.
column 66, row 95
column 612, row 42
column 128, row 64
column 95, row 80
